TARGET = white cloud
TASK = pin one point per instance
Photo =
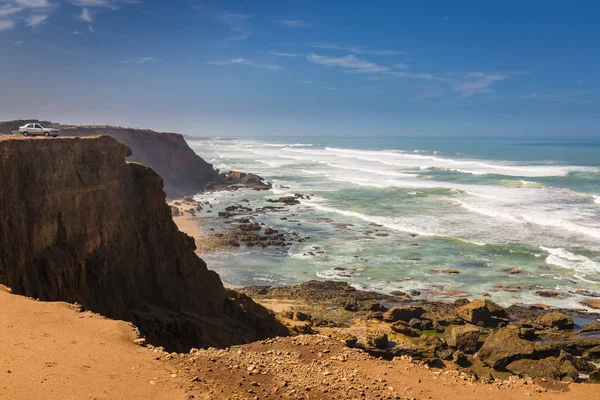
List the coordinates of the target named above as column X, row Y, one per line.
column 350, row 62
column 567, row 97
column 9, row 9
column 6, row 25
column 237, row 22
column 85, row 15
column 280, row 54
column 356, row 49
column 243, row 61
column 141, row 60
column 76, row 32
column 476, row 82
column 294, row 23
column 32, row 3
column 91, row 29
column 466, row 84
column 36, row 20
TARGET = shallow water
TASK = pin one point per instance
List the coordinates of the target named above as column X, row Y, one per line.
column 414, row 206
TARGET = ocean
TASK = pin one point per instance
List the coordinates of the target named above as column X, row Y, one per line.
column 438, row 218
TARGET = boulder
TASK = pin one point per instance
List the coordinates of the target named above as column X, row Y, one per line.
column 591, row 303
column 536, row 369
column 403, row 313
column 481, row 311
column 556, row 319
column 594, row 377
column 404, row 329
column 377, row 339
column 466, row 338
column 503, row 347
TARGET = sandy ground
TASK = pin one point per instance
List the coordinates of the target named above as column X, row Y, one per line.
column 51, row 351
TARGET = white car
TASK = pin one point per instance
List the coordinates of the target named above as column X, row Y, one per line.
column 38, row 129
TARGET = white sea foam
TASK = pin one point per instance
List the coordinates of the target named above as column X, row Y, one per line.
column 565, row 259
column 596, row 199
column 464, row 166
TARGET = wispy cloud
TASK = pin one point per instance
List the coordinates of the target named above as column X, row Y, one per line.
column 141, row 60
column 567, row 97
column 319, row 86
column 76, row 32
column 36, row 20
column 294, row 23
column 237, row 22
column 6, row 25
column 280, row 54
column 34, row 12
column 400, row 66
column 357, row 49
column 476, row 82
column 110, row 4
column 85, row 15
column 91, row 29
column 243, row 61
column 350, row 62
column 465, row 84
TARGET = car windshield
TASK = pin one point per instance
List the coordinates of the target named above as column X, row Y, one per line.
column 46, row 125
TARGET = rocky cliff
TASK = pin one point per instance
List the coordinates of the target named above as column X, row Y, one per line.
column 80, row 224
column 183, row 171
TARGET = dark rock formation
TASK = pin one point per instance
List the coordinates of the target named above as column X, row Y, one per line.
column 484, row 312
column 183, row 171
column 504, row 346
column 79, row 224
column 403, row 313
column 466, row 338
column 556, row 319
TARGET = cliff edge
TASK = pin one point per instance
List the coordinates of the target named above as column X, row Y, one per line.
column 183, row 171
column 80, row 224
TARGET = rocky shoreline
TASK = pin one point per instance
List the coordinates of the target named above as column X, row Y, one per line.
column 476, row 337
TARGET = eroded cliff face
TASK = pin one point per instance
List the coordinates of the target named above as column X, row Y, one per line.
column 183, row 171
column 80, row 224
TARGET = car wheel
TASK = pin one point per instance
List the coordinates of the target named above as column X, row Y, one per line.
column 46, row 134
column 54, row 135
column 25, row 133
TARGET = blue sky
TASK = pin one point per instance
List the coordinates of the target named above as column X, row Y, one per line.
column 275, row 67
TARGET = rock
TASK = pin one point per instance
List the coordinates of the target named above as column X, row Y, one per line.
column 591, row 303
column 300, row 316
column 140, row 342
column 446, row 271
column 404, row 329
column 377, row 339
column 556, row 319
column 547, row 293
column 374, row 306
column 175, row 211
column 466, row 338
column 527, row 333
column 535, row 369
column 568, row 369
column 461, row 359
column 461, row 302
column 121, row 254
column 594, row 377
column 346, row 338
column 350, row 305
column 403, row 313
column 504, row 346
column 481, row 311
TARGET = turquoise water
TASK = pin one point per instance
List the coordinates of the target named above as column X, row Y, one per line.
column 386, row 214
